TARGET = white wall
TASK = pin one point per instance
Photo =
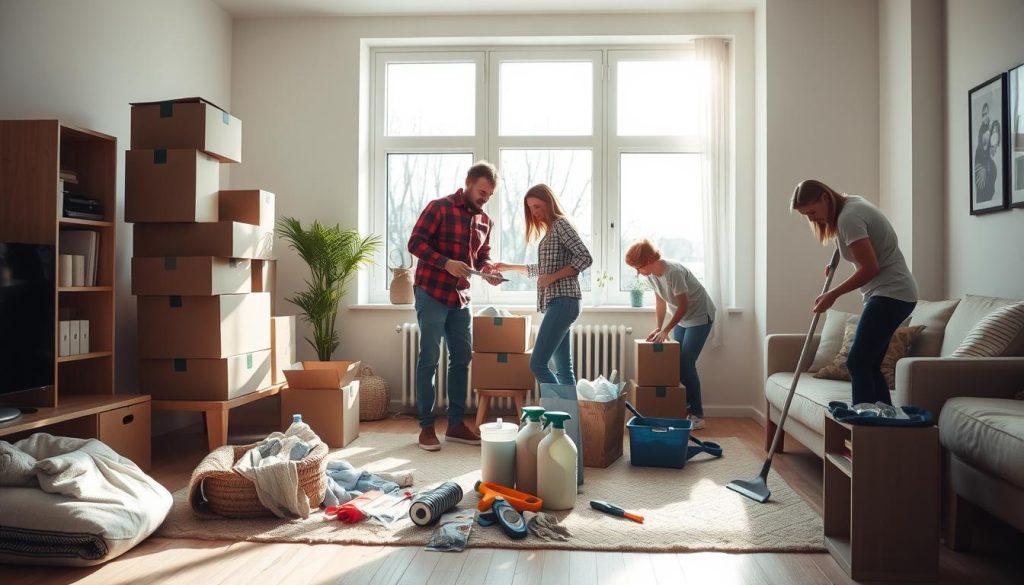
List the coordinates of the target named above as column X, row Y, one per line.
column 83, row 62
column 295, row 85
column 986, row 253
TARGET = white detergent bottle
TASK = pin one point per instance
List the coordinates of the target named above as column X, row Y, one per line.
column 530, row 435
column 556, row 465
column 498, row 452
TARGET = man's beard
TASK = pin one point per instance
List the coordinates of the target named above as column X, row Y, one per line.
column 472, row 206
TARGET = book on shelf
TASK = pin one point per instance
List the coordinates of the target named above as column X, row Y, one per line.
column 75, row 214
column 847, row 454
column 68, row 176
column 83, row 243
column 848, row 444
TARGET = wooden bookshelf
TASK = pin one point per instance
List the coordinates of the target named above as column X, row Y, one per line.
column 881, row 505
column 33, row 153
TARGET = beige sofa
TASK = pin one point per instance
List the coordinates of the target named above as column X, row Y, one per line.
column 926, row 379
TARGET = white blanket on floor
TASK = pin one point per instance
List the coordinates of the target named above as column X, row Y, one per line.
column 73, row 501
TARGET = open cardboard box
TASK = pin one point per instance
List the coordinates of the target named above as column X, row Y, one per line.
column 326, row 394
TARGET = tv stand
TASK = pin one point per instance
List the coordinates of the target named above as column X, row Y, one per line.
column 8, row 414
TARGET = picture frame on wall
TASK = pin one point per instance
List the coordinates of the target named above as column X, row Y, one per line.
column 1015, row 134
column 988, row 177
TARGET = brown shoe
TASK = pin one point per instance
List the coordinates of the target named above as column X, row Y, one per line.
column 460, row 433
column 428, row 440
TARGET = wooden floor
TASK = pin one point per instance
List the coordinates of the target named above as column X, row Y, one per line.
column 160, row 560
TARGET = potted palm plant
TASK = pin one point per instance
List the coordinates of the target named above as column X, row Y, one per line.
column 333, row 255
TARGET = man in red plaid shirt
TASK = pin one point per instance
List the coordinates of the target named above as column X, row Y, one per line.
column 451, row 237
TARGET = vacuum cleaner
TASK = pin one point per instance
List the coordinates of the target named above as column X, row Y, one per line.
column 757, row 489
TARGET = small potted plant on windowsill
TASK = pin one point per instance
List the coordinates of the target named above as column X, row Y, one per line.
column 636, row 292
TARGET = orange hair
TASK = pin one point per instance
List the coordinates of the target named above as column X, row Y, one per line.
column 641, row 253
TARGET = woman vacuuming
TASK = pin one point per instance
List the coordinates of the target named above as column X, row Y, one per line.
column 866, row 238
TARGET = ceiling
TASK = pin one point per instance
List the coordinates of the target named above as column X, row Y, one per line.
column 294, row 8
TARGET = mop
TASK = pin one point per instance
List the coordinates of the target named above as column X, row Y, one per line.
column 757, row 489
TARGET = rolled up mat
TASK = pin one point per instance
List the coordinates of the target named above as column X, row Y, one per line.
column 428, row 506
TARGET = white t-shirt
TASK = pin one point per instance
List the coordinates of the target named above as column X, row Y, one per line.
column 678, row 280
column 860, row 219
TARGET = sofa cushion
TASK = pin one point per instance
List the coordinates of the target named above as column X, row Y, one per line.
column 900, row 342
column 968, row 312
column 994, row 333
column 934, row 315
column 831, row 337
column 811, row 399
column 987, row 433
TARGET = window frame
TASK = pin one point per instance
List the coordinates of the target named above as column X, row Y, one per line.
column 604, row 143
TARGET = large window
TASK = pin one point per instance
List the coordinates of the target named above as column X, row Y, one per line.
column 614, row 132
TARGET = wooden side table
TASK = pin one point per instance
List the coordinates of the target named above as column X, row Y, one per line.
column 216, row 412
column 881, row 505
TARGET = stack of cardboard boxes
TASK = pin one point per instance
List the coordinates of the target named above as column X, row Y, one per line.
column 657, row 391
column 201, row 266
column 501, row 354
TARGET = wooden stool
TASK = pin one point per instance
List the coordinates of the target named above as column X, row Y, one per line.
column 517, row 396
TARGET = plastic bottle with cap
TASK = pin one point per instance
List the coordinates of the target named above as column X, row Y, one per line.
column 530, row 435
column 556, row 465
column 297, row 425
column 498, row 452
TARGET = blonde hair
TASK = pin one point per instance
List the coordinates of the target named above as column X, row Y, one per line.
column 536, row 228
column 810, row 191
column 641, row 253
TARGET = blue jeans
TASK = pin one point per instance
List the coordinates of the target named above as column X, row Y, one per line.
column 878, row 321
column 691, row 342
column 436, row 320
column 553, row 340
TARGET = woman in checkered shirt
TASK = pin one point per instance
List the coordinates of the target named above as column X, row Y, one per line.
column 561, row 257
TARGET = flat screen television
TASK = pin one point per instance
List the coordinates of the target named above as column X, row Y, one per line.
column 27, row 315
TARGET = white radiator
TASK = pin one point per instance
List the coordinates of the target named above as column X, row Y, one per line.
column 597, row 350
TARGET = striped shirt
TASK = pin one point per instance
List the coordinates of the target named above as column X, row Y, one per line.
column 449, row 230
column 560, row 247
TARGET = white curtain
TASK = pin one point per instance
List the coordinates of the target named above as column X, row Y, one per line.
column 716, row 184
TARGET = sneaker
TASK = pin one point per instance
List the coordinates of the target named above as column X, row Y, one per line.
column 460, row 433
column 698, row 422
column 428, row 440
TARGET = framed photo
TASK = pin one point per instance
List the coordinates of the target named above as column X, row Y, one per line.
column 1015, row 135
column 987, row 107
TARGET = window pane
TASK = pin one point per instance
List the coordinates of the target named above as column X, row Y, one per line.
column 431, row 99
column 546, row 99
column 569, row 173
column 658, row 98
column 413, row 180
column 666, row 211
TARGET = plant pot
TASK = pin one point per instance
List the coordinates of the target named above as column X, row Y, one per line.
column 636, row 298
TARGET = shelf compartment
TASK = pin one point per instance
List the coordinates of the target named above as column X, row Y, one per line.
column 84, row 356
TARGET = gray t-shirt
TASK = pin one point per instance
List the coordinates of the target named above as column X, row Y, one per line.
column 860, row 219
column 678, row 280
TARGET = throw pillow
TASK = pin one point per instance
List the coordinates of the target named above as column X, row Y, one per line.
column 831, row 337
column 836, row 370
column 898, row 346
column 993, row 334
column 933, row 315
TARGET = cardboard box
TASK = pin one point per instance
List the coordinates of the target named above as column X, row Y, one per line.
column 502, row 371
column 660, row 401
column 326, row 394
column 205, row 379
column 225, row 239
column 191, row 275
column 170, row 186
column 264, row 279
column 282, row 347
column 203, row 327
column 252, row 206
column 602, row 429
column 501, row 334
column 187, row 123
column 656, row 364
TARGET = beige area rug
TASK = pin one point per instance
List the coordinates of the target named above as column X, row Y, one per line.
column 685, row 510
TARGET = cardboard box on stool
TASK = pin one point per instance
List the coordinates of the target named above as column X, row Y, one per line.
column 326, row 394
column 656, row 364
column 502, row 371
column 501, row 334
column 661, row 401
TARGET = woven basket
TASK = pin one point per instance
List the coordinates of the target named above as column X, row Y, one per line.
column 229, row 494
column 374, row 395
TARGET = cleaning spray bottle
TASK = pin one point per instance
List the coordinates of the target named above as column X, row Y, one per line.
column 556, row 465
column 530, row 435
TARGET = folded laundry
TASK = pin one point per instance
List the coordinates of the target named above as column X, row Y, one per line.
column 916, row 417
